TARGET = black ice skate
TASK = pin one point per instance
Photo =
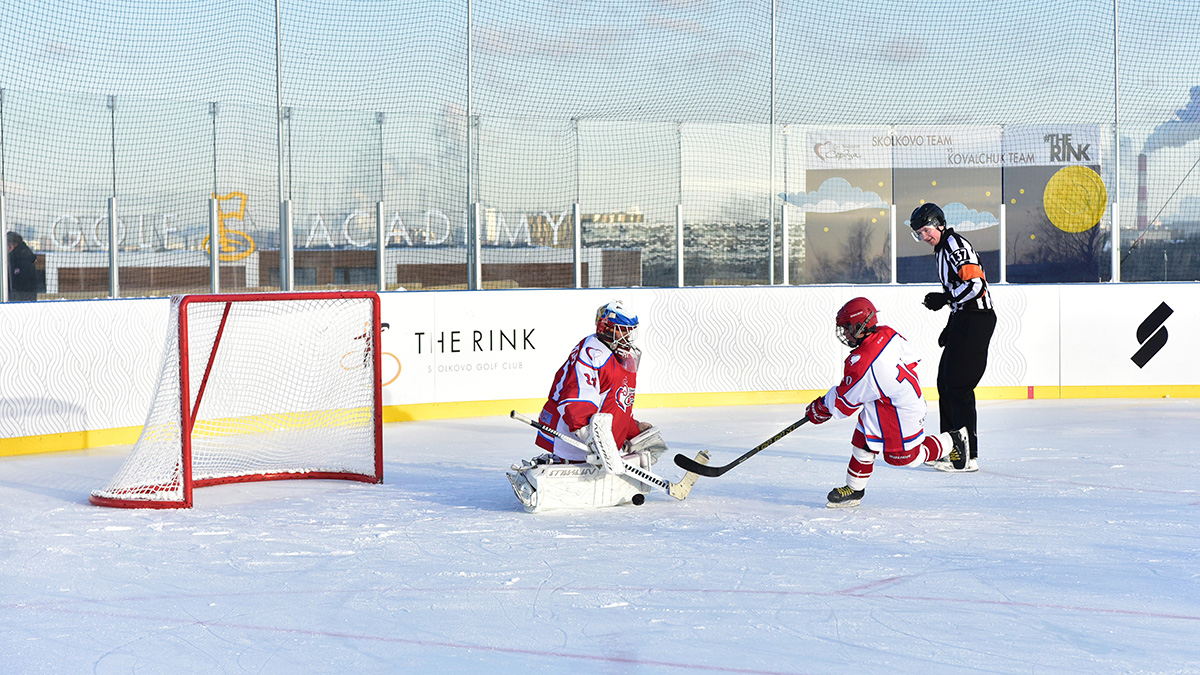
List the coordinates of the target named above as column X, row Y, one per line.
column 844, row 497
column 958, row 460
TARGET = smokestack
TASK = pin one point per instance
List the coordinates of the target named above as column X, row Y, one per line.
column 1142, row 222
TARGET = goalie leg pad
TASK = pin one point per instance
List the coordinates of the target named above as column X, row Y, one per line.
column 547, row 487
column 603, row 443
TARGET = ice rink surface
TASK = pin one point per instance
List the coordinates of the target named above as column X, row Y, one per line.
column 1075, row 549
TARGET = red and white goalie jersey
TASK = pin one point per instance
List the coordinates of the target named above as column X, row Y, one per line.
column 592, row 380
column 880, row 383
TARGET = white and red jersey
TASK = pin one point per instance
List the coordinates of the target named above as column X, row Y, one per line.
column 880, row 383
column 592, row 380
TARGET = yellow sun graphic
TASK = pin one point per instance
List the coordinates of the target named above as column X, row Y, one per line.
column 1075, row 199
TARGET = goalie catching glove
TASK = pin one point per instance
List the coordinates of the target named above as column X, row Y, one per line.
column 818, row 412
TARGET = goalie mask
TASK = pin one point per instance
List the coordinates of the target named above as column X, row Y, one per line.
column 855, row 321
column 616, row 327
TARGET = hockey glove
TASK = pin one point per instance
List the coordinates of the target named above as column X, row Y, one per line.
column 936, row 301
column 584, row 433
column 818, row 412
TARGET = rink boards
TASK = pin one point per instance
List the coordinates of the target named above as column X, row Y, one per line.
column 82, row 373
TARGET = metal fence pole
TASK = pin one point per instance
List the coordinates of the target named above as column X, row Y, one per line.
column 679, row 245
column 381, row 240
column 214, row 215
column 783, row 224
column 771, row 162
column 1003, row 242
column 3, row 211
column 4, row 258
column 214, row 245
column 1116, row 206
column 114, row 286
column 577, row 244
column 286, row 260
column 474, row 252
column 380, row 237
column 287, row 276
column 895, row 246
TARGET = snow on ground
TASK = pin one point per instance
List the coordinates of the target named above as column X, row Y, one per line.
column 1075, row 549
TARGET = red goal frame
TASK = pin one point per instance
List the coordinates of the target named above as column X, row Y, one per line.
column 190, row 408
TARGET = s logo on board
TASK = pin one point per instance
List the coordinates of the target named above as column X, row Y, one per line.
column 1152, row 334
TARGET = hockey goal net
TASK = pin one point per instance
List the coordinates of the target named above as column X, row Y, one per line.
column 259, row 387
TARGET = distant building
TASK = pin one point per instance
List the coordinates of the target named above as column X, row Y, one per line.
column 546, row 231
column 614, row 217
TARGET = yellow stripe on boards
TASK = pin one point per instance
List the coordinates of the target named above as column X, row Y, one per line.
column 258, row 424
column 75, row 440
column 80, row 440
column 1136, row 391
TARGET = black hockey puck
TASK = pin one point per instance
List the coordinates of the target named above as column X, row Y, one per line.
column 638, row 499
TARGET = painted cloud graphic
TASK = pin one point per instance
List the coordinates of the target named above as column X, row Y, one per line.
column 964, row 219
column 834, row 196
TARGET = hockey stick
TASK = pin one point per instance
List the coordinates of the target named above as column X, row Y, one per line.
column 678, row 490
column 693, row 466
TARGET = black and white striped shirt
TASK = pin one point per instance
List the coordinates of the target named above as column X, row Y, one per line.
column 961, row 273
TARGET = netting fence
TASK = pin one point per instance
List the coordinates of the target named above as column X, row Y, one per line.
column 612, row 143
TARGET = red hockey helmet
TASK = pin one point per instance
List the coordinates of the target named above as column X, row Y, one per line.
column 855, row 321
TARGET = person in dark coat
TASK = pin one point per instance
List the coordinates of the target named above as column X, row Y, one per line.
column 967, row 334
column 24, row 282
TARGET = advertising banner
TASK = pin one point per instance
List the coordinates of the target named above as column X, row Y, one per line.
column 1052, row 144
column 478, row 346
column 925, row 147
column 954, row 146
column 847, row 148
column 498, row 345
column 95, row 365
column 1129, row 335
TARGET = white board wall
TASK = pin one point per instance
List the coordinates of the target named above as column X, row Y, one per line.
column 79, row 366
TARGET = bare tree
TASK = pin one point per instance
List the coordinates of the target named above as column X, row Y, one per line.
column 855, row 263
column 1075, row 256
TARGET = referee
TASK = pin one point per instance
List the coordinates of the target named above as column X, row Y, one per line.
column 967, row 334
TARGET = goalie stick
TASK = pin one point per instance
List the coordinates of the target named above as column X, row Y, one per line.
column 678, row 490
column 693, row 466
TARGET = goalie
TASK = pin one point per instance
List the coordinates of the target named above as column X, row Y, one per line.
column 592, row 399
column 880, row 384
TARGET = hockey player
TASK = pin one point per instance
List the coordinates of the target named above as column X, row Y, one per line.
column 880, row 383
column 591, row 399
column 968, row 331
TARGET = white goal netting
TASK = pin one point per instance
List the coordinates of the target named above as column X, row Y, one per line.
column 277, row 386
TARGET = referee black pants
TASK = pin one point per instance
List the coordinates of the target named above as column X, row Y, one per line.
column 964, row 358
